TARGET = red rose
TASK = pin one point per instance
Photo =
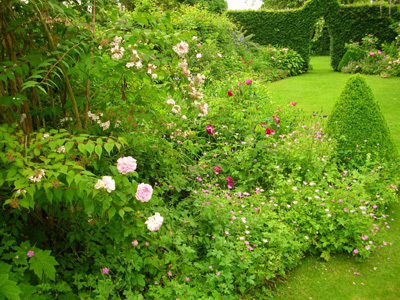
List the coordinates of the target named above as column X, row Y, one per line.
column 269, row 131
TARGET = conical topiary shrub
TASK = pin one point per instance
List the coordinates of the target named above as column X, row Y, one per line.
column 358, row 125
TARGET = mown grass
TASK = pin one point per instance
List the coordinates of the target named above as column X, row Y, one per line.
column 318, row 89
column 338, row 279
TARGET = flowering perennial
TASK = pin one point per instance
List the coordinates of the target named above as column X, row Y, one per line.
column 126, row 165
column 181, row 48
column 144, row 192
column 107, row 183
column 209, row 129
column 154, row 222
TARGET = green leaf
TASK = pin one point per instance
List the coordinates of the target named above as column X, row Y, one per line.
column 43, row 263
column 98, row 150
column 90, row 147
column 121, row 212
column 68, row 146
column 9, row 288
column 111, row 212
column 109, row 147
column 82, row 148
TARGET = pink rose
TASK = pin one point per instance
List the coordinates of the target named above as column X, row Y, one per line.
column 248, row 81
column 144, row 192
column 209, row 129
column 230, row 94
column 293, row 103
column 154, row 222
column 126, row 165
column 135, row 243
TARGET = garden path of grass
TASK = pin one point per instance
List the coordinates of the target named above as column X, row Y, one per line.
column 379, row 276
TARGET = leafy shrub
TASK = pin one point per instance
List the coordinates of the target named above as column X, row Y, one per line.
column 358, row 124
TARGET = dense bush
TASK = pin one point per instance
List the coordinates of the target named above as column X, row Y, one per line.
column 358, row 124
column 367, row 58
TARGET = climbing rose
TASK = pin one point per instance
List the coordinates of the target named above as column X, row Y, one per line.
column 154, row 222
column 248, row 81
column 135, row 243
column 230, row 181
column 30, row 253
column 107, row 183
column 269, row 131
column 217, row 169
column 126, row 165
column 144, row 192
column 105, row 271
column 230, row 94
column 209, row 129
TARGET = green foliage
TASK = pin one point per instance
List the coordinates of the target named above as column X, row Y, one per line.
column 213, row 6
column 358, row 125
column 344, row 22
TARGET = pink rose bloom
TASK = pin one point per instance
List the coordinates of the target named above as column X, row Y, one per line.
column 144, row 192
column 209, row 129
column 105, row 271
column 154, row 222
column 293, row 103
column 30, row 253
column 126, row 165
column 248, row 81
column 219, row 54
column 355, row 251
column 371, row 53
column 230, row 94
column 135, row 243
column 106, row 183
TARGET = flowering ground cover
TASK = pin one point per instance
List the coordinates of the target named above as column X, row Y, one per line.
column 318, row 279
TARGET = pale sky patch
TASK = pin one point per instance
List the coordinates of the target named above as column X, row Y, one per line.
column 244, row 4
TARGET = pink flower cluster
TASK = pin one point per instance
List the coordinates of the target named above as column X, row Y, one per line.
column 126, row 165
column 154, row 222
column 144, row 192
column 107, row 183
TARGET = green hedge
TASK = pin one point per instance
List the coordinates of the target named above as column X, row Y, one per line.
column 294, row 28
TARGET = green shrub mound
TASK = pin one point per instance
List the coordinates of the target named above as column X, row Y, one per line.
column 349, row 56
column 358, row 124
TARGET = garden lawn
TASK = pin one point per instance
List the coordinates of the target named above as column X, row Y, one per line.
column 317, row 90
column 343, row 277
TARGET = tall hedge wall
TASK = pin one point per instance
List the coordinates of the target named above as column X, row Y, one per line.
column 294, row 28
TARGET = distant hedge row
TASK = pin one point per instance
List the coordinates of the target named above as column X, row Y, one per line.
column 294, row 28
